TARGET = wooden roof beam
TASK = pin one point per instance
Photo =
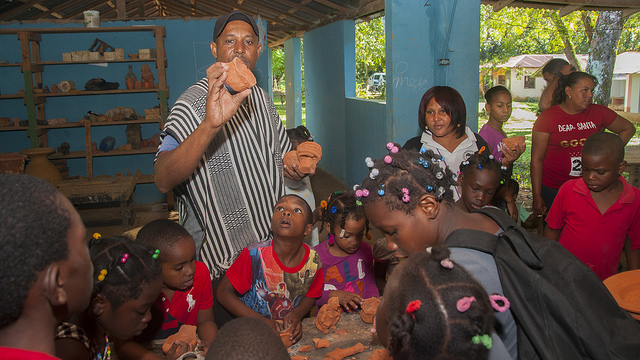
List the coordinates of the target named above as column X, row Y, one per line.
column 15, row 11
column 58, row 9
column 568, row 10
column 499, row 5
column 332, row 5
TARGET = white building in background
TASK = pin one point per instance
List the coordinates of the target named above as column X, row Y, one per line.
column 522, row 76
column 625, row 89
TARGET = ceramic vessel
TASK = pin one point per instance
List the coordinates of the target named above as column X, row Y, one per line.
column 40, row 166
column 130, row 79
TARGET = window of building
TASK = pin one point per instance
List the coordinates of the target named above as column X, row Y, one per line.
column 529, row 82
column 502, row 80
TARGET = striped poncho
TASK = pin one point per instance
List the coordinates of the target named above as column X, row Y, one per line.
column 239, row 178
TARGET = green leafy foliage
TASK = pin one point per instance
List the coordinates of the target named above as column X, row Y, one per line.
column 515, row 31
column 370, row 49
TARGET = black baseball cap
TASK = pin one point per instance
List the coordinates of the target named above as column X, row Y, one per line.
column 223, row 20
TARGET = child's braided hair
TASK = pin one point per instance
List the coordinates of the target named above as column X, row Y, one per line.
column 121, row 268
column 340, row 206
column 481, row 160
column 437, row 310
column 403, row 176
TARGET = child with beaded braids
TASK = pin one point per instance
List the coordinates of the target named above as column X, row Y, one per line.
column 126, row 283
column 434, row 309
column 479, row 179
column 409, row 198
column 347, row 260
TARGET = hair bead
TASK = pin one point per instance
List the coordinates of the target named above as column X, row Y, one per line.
column 156, row 252
column 103, row 274
column 125, row 257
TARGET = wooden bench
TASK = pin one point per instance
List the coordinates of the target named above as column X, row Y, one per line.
column 103, row 191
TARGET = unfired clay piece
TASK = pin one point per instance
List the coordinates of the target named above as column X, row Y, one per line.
column 512, row 141
column 187, row 333
column 380, row 354
column 285, row 337
column 369, row 309
column 321, row 343
column 328, row 315
column 339, row 354
column 239, row 77
column 309, row 153
column 305, row 348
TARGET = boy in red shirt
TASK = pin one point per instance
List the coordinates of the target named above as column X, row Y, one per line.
column 592, row 215
column 277, row 283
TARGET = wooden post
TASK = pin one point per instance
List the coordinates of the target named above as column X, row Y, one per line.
column 122, row 9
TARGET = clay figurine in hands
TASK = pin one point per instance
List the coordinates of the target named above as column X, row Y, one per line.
column 328, row 315
column 239, row 77
column 369, row 309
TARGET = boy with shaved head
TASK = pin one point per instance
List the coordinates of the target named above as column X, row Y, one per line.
column 593, row 215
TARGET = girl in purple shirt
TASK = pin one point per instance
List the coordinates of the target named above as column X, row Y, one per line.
column 347, row 260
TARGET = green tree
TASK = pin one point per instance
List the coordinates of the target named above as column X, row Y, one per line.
column 277, row 64
column 370, row 49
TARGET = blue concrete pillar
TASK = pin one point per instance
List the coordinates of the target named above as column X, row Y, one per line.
column 330, row 76
column 429, row 43
column 293, row 85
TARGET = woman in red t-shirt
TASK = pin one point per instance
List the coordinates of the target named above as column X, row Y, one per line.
column 560, row 131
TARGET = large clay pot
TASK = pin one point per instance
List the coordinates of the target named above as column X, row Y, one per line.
column 40, row 166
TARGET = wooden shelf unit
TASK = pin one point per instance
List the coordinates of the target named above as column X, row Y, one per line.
column 32, row 68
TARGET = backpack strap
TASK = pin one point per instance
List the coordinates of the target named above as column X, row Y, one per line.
column 472, row 239
column 518, row 238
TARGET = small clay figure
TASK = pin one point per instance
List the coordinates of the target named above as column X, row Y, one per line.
column 147, row 76
column 187, row 333
column 285, row 336
column 380, row 354
column 239, row 77
column 321, row 343
column 309, row 153
column 305, row 348
column 339, row 354
column 369, row 309
column 328, row 315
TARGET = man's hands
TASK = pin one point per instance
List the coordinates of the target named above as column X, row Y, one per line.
column 221, row 105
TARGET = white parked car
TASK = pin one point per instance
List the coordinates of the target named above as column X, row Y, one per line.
column 376, row 81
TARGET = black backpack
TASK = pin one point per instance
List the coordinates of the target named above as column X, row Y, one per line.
column 562, row 308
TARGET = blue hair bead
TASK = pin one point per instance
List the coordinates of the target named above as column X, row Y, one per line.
column 429, row 188
column 423, row 150
column 334, row 209
column 479, row 166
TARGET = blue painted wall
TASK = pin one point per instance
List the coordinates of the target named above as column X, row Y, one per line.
column 326, row 74
column 188, row 56
column 418, row 35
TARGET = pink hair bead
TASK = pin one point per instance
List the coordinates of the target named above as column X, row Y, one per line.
column 387, row 159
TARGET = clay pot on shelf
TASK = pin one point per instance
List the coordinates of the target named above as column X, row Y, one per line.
column 40, row 166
